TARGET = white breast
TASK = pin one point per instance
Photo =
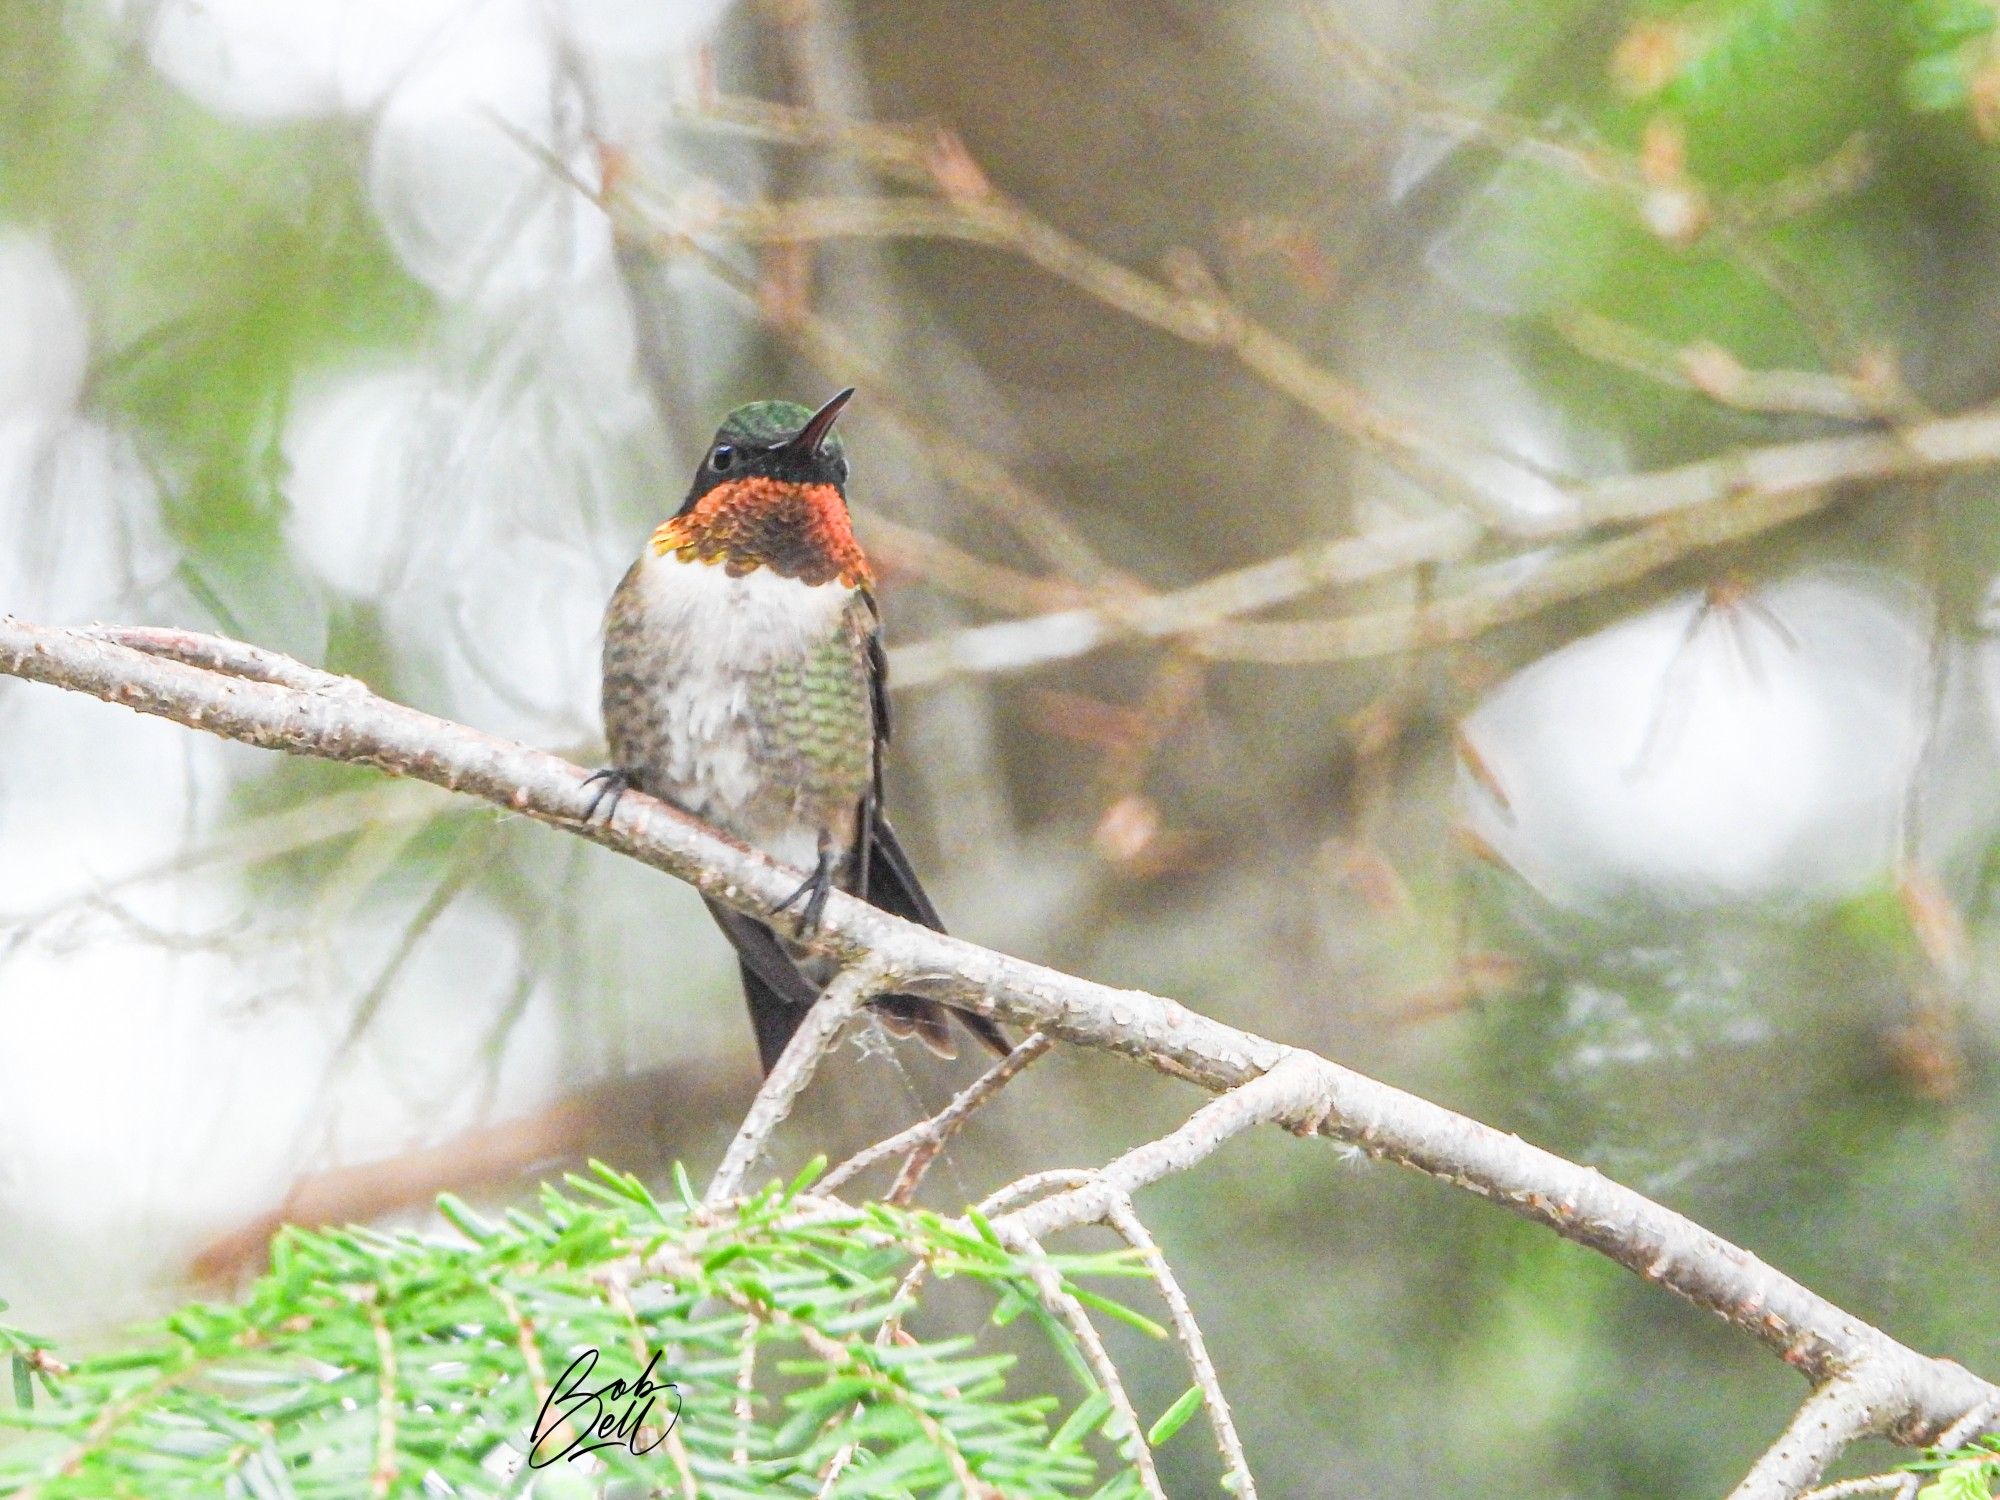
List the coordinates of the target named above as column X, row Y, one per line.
column 723, row 627
column 752, row 618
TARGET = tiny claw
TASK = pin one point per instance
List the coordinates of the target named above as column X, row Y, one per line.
column 814, row 888
column 611, row 783
column 815, row 906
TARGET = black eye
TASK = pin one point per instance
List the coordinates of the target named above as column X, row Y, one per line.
column 722, row 457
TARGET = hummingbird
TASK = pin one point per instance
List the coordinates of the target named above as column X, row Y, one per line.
column 745, row 683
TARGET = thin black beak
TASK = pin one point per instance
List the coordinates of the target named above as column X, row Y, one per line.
column 813, row 434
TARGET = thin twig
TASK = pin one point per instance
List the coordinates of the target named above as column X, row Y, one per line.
column 1693, row 507
column 1003, row 1198
column 221, row 654
column 531, row 1351
column 836, row 1006
column 618, row 1292
column 116, row 1414
column 1059, row 1300
column 746, row 1385
column 927, row 1137
column 1507, row 592
column 1291, row 1090
column 1712, row 371
column 1024, row 510
column 1855, row 1403
column 896, row 150
column 384, row 1476
column 1483, row 480
column 894, row 547
column 891, row 1326
column 829, row 1476
column 1126, row 1221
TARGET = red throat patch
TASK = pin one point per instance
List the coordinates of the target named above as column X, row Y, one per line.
column 796, row 530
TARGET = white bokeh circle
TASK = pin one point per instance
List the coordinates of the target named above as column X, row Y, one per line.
column 1706, row 753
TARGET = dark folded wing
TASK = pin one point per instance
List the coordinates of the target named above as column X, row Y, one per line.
column 778, row 994
column 893, row 886
column 888, row 879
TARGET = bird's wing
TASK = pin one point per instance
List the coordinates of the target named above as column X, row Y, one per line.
column 888, row 880
column 894, row 888
column 778, row 994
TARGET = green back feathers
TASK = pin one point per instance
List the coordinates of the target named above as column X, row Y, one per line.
column 763, row 422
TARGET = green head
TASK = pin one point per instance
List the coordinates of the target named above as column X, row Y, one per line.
column 766, row 424
column 778, row 440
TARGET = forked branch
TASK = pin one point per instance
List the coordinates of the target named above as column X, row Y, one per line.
column 1918, row 1398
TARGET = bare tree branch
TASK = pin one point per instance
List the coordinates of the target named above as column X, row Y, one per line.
column 1488, row 494
column 1512, row 590
column 1291, row 1091
column 1690, row 508
column 1917, row 1398
column 1015, row 645
column 1856, row 1403
column 1902, row 1483
column 895, row 548
column 967, row 207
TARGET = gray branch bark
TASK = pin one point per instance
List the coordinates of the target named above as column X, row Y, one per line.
column 1852, row 1405
column 1923, row 1396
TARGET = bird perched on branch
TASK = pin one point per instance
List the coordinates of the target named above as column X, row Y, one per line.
column 744, row 683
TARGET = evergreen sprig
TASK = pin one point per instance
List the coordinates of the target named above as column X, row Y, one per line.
column 368, row 1363
column 1968, row 1473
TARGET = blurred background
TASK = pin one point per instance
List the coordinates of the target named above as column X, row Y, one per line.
column 1274, row 434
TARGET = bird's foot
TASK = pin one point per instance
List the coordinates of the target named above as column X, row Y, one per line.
column 815, row 888
column 612, row 784
column 816, row 903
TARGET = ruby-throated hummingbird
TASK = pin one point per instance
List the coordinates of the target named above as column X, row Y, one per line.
column 744, row 682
